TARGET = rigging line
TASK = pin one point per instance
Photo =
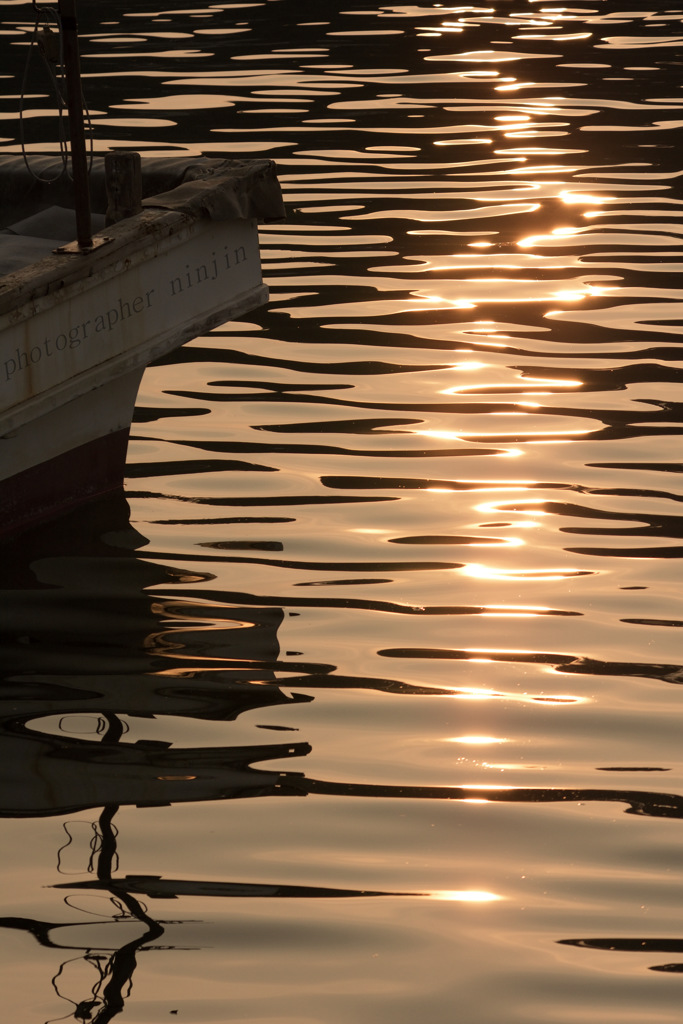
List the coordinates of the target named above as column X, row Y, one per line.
column 46, row 12
column 54, row 983
column 62, row 848
column 40, row 36
column 83, row 1009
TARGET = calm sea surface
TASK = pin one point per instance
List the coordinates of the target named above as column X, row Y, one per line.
column 367, row 707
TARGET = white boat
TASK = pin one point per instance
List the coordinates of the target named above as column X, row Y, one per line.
column 78, row 328
column 170, row 252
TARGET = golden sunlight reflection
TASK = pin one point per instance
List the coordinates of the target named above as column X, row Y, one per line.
column 439, row 435
column 465, row 895
column 462, row 142
column 508, row 542
column 478, row 693
column 582, row 197
column 514, row 610
column 588, row 291
column 531, row 240
column 469, row 365
column 479, row 741
column 570, row 296
column 531, row 385
column 514, row 86
column 476, row 74
column 453, row 303
column 488, row 572
column 532, row 436
column 494, row 507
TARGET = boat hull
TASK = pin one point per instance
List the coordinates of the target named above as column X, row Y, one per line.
column 53, row 488
column 73, row 453
column 138, row 301
column 77, row 331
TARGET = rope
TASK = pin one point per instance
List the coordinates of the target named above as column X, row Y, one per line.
column 47, row 35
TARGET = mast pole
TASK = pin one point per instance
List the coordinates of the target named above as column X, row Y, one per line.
column 74, row 96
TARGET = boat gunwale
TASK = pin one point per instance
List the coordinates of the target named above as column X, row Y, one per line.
column 159, row 220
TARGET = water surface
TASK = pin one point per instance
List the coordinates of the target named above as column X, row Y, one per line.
column 400, row 551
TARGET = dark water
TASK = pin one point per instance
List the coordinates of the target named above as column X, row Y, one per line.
column 401, row 557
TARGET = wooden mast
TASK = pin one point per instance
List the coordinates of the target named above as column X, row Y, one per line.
column 74, row 96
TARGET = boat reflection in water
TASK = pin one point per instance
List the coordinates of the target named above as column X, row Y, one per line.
column 70, row 694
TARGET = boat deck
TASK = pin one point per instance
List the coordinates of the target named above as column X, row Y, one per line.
column 37, row 216
column 36, row 237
